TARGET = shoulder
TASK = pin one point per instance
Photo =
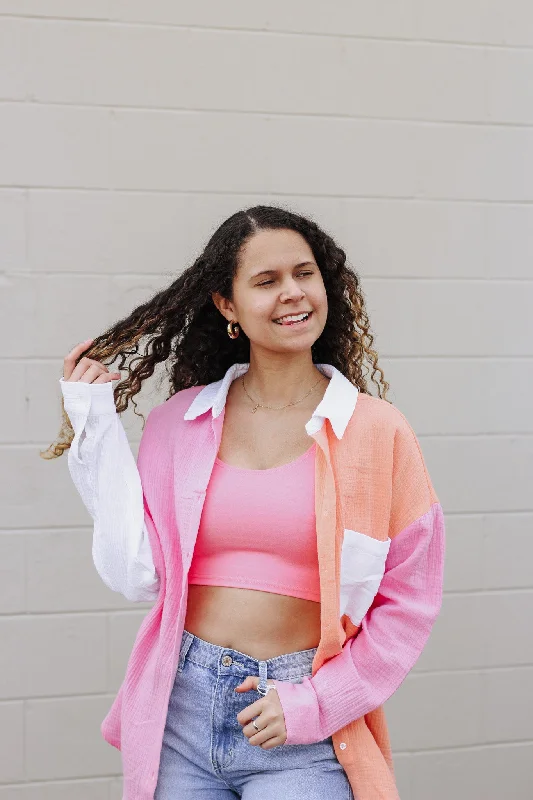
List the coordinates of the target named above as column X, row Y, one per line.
column 164, row 426
column 380, row 424
column 375, row 411
column 172, row 410
column 180, row 400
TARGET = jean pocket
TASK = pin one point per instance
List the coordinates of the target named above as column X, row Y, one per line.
column 184, row 649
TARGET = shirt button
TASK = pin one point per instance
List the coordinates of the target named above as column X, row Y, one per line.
column 342, row 745
column 227, row 660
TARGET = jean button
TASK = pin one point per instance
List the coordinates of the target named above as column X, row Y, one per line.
column 227, row 660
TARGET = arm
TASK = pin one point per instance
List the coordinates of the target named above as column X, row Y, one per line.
column 104, row 471
column 373, row 664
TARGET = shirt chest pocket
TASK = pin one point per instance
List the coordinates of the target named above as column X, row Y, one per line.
column 362, row 568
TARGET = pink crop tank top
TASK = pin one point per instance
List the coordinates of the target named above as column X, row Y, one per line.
column 258, row 529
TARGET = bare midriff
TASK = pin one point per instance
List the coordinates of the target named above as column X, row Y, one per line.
column 261, row 624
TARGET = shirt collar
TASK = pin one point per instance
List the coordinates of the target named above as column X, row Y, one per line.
column 337, row 404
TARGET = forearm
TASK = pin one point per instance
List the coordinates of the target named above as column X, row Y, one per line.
column 373, row 664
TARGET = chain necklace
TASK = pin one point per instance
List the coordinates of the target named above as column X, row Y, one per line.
column 279, row 408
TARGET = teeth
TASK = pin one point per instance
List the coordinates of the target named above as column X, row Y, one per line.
column 292, row 319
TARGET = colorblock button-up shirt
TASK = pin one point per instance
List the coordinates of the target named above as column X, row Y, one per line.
column 380, row 539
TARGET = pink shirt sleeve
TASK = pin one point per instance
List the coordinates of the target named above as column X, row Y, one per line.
column 373, row 664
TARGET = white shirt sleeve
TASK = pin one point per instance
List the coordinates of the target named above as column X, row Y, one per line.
column 104, row 471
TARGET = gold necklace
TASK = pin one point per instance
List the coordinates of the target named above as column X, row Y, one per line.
column 280, row 408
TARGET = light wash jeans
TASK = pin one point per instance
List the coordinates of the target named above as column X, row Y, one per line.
column 206, row 756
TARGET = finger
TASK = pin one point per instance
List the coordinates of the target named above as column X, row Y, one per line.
column 90, row 371
column 83, row 365
column 276, row 741
column 250, row 682
column 261, row 737
column 106, row 377
column 87, row 370
column 247, row 714
column 93, row 372
column 70, row 359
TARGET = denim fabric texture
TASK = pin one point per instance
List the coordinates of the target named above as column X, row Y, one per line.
column 205, row 755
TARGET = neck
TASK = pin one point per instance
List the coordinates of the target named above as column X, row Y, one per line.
column 275, row 379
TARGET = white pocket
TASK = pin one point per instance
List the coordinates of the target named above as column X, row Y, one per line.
column 362, row 568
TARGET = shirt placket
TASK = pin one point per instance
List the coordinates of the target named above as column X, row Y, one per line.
column 331, row 639
column 198, row 489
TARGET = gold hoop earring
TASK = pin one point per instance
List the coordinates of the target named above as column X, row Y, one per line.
column 233, row 329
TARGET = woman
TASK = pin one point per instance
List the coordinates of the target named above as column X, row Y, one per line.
column 261, row 516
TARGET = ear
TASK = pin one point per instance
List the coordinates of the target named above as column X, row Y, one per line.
column 225, row 306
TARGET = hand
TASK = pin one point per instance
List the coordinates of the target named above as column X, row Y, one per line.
column 87, row 370
column 271, row 720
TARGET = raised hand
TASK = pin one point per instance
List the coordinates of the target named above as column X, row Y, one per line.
column 87, row 370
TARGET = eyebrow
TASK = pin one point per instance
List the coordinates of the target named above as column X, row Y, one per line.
column 270, row 271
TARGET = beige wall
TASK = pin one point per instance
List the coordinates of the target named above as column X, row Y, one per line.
column 128, row 131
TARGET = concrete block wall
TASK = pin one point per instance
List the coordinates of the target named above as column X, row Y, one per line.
column 128, row 131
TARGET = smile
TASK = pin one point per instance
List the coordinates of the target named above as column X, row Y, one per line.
column 293, row 319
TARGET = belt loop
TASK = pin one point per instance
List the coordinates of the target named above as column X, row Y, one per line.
column 261, row 687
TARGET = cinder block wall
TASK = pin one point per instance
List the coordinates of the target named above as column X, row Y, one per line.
column 128, row 131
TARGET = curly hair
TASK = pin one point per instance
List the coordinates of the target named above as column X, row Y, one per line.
column 182, row 327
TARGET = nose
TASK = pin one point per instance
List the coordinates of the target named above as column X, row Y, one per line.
column 291, row 291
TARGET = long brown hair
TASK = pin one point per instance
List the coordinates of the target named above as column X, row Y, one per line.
column 182, row 327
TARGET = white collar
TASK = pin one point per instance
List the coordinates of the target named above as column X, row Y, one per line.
column 337, row 404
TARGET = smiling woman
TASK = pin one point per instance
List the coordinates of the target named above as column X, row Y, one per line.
column 279, row 514
column 293, row 298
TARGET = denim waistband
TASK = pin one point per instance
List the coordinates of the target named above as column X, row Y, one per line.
column 288, row 666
